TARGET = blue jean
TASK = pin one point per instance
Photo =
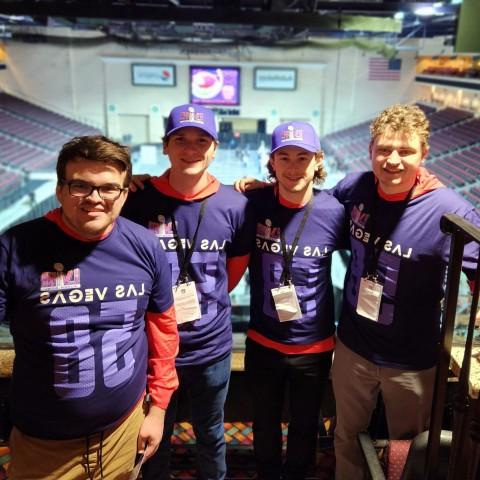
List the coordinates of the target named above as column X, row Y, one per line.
column 207, row 387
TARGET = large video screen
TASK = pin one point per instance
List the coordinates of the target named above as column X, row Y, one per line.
column 215, row 85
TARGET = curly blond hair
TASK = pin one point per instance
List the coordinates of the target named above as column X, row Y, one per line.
column 410, row 119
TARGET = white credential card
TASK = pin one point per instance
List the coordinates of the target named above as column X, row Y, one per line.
column 185, row 299
column 286, row 303
column 369, row 299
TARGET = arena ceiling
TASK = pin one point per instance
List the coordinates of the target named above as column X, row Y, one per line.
column 257, row 22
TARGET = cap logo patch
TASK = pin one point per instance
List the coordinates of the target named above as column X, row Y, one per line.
column 292, row 134
column 191, row 116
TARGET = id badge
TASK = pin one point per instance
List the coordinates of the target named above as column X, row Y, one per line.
column 369, row 299
column 187, row 308
column 286, row 303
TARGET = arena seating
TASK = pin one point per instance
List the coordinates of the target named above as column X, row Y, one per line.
column 32, row 132
column 349, row 147
column 10, row 186
column 454, row 137
column 24, row 156
column 9, row 181
column 473, row 195
column 45, row 117
column 447, row 116
column 428, row 109
column 30, row 138
column 455, row 158
column 349, row 134
column 460, row 166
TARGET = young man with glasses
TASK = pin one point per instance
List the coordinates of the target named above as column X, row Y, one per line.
column 88, row 299
column 202, row 226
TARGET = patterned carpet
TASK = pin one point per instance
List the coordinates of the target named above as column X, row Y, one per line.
column 240, row 460
column 4, row 459
column 236, row 434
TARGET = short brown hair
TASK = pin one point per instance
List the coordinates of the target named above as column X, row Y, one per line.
column 318, row 177
column 95, row 148
column 410, row 119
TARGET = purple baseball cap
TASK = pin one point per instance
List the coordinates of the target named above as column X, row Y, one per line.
column 295, row 134
column 189, row 115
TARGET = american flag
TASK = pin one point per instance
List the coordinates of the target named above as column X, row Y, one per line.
column 380, row 68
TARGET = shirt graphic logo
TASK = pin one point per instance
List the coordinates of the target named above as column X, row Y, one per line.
column 192, row 116
column 359, row 217
column 268, row 232
column 60, row 280
column 162, row 228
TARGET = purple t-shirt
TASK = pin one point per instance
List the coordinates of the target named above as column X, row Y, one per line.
column 76, row 312
column 223, row 233
column 323, row 233
column 411, row 268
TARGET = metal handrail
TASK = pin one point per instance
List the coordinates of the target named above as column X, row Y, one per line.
column 462, row 232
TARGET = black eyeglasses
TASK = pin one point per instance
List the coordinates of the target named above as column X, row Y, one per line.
column 77, row 188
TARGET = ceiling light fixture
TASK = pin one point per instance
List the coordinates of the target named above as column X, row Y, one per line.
column 427, row 11
column 432, row 10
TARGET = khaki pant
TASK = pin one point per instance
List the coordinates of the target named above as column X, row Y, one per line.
column 407, row 396
column 110, row 455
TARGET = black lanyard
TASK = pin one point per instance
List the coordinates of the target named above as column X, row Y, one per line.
column 376, row 249
column 286, row 276
column 185, row 254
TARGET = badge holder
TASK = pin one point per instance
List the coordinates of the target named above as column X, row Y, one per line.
column 369, row 298
column 286, row 303
column 185, row 300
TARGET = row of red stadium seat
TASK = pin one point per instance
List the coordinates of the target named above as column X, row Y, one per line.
column 46, row 117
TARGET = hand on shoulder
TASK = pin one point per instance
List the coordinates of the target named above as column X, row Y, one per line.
column 245, row 184
column 138, row 182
